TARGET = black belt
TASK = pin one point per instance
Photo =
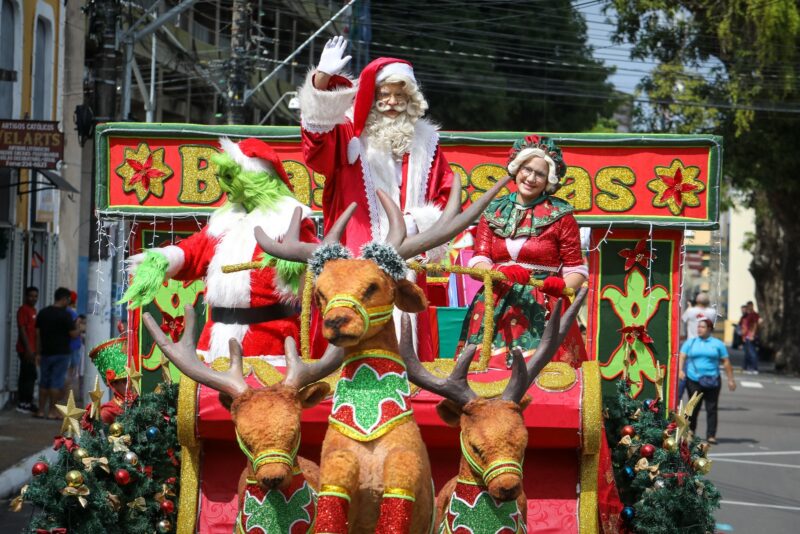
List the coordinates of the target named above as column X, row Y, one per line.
column 260, row 314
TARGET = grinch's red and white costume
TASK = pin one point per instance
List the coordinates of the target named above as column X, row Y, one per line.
column 336, row 144
column 255, row 307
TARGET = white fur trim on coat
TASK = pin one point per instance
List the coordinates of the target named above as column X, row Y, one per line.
column 245, row 162
column 234, row 227
column 221, row 333
column 321, row 111
column 381, row 172
column 175, row 258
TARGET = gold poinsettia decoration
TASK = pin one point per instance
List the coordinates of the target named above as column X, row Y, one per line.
column 676, row 187
column 144, row 172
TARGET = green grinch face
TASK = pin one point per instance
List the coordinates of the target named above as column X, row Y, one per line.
column 250, row 189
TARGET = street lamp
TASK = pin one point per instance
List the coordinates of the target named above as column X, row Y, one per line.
column 294, row 104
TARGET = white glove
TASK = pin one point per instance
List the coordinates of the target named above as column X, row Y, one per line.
column 331, row 61
column 411, row 225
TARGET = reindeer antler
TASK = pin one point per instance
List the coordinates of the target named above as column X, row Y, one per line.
column 300, row 374
column 184, row 355
column 554, row 334
column 450, row 223
column 455, row 387
column 291, row 248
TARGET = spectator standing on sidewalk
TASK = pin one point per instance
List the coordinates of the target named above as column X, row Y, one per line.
column 699, row 362
column 749, row 326
column 76, row 351
column 55, row 328
column 26, row 350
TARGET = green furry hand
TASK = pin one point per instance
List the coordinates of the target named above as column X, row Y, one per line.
column 149, row 278
column 289, row 271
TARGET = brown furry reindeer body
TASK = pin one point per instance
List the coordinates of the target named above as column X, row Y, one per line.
column 374, row 471
column 277, row 488
column 487, row 496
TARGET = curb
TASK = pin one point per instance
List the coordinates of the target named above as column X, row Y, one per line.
column 13, row 478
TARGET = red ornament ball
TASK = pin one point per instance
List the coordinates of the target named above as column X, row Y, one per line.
column 167, row 506
column 628, row 430
column 122, row 477
column 647, row 451
column 39, row 468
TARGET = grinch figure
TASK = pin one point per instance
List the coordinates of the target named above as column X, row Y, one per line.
column 111, row 360
column 256, row 307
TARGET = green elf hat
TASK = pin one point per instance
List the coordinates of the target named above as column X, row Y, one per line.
column 111, row 359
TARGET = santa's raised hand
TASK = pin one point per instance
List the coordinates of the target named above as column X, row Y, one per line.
column 332, row 60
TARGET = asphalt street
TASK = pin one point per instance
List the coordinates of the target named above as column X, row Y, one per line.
column 756, row 464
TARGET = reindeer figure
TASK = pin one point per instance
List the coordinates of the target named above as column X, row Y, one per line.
column 277, row 488
column 374, row 472
column 487, row 495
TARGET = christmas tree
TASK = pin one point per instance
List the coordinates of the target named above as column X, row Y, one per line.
column 659, row 466
column 120, row 477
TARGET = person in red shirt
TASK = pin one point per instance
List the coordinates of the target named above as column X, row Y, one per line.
column 749, row 328
column 26, row 350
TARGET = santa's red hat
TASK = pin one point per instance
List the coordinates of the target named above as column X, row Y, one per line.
column 255, row 155
column 372, row 75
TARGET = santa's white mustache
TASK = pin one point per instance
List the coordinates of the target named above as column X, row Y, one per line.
column 383, row 107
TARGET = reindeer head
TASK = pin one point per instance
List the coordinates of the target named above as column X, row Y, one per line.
column 357, row 296
column 493, row 434
column 267, row 420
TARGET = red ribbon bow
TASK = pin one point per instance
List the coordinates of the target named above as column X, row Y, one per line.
column 680, row 475
column 173, row 326
column 61, row 441
column 634, row 332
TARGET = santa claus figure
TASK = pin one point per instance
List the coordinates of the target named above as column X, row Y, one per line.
column 256, row 307
column 372, row 135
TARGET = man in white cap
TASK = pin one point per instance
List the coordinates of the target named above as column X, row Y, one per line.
column 371, row 135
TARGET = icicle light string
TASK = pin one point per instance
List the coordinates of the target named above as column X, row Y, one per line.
column 608, row 233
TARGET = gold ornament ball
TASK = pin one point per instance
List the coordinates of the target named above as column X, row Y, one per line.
column 115, row 429
column 79, row 454
column 164, row 526
column 670, row 444
column 74, row 478
column 131, row 458
column 665, row 434
column 702, row 465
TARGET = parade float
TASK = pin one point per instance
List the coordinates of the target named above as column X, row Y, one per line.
column 638, row 194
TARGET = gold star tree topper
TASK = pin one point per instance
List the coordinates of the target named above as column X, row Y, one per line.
column 97, row 398
column 72, row 416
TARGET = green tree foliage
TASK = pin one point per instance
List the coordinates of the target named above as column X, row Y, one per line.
column 747, row 52
column 667, row 492
column 112, row 507
column 498, row 65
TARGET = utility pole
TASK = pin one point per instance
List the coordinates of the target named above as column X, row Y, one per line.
column 237, row 74
column 98, row 324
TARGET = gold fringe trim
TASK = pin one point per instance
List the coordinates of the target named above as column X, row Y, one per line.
column 187, row 408
column 556, row 376
column 587, row 503
column 591, row 407
column 380, row 431
column 305, row 316
column 190, row 489
column 399, row 493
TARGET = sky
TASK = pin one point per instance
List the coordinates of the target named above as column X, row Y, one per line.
column 600, row 29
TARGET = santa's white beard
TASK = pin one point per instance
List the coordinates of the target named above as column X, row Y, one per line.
column 390, row 133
